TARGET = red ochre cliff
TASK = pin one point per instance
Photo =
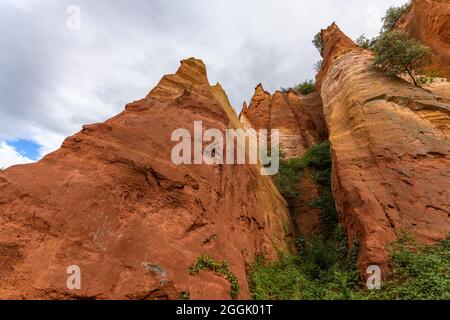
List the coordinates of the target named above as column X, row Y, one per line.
column 298, row 118
column 112, row 202
column 429, row 22
column 390, row 148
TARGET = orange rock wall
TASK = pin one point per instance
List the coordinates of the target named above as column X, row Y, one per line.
column 429, row 21
column 390, row 148
column 112, row 202
column 299, row 118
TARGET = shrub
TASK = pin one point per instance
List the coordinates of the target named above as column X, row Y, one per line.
column 397, row 53
column 365, row 42
column 326, row 269
column 317, row 158
column 207, row 263
column 318, row 65
column 320, row 271
column 318, row 41
column 419, row 272
column 393, row 14
column 305, row 87
column 288, row 177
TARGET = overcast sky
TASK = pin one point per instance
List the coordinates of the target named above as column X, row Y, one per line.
column 59, row 72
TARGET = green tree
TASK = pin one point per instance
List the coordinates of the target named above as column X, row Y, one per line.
column 393, row 14
column 305, row 87
column 365, row 42
column 396, row 52
column 318, row 41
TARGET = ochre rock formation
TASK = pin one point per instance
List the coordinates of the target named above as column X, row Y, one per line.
column 429, row 21
column 112, row 202
column 390, row 149
column 306, row 218
column 299, row 118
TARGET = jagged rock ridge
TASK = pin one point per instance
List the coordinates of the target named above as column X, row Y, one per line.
column 390, row 148
column 112, row 202
column 298, row 118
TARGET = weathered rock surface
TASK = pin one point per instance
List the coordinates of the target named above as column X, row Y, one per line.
column 307, row 220
column 390, row 148
column 112, row 202
column 429, row 21
column 299, row 118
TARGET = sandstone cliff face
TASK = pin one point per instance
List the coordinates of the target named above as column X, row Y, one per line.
column 390, row 148
column 112, row 202
column 429, row 21
column 299, row 118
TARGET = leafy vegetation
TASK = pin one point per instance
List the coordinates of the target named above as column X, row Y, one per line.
column 318, row 65
column 305, row 87
column 397, row 53
column 428, row 76
column 393, row 14
column 326, row 269
column 323, row 269
column 318, row 41
column 207, row 263
column 317, row 158
column 419, row 272
column 185, row 296
column 365, row 42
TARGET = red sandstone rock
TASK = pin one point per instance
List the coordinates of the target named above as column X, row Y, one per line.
column 299, row 118
column 112, row 202
column 429, row 21
column 308, row 222
column 390, row 149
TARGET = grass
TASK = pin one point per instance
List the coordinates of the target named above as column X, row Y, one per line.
column 207, row 263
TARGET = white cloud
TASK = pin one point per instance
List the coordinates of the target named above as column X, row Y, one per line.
column 24, row 5
column 9, row 156
column 54, row 79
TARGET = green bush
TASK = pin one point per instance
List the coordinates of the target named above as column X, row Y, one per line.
column 418, row 272
column 365, row 42
column 393, row 14
column 319, row 271
column 207, row 263
column 318, row 41
column 397, row 53
column 318, row 160
column 318, row 65
column 305, row 87
column 288, row 176
column 326, row 269
column 328, row 213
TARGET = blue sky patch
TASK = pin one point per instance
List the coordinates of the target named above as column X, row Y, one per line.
column 26, row 148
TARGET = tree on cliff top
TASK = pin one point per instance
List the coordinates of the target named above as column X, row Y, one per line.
column 305, row 87
column 393, row 14
column 318, row 41
column 396, row 52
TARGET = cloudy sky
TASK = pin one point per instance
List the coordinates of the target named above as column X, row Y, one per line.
column 68, row 63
